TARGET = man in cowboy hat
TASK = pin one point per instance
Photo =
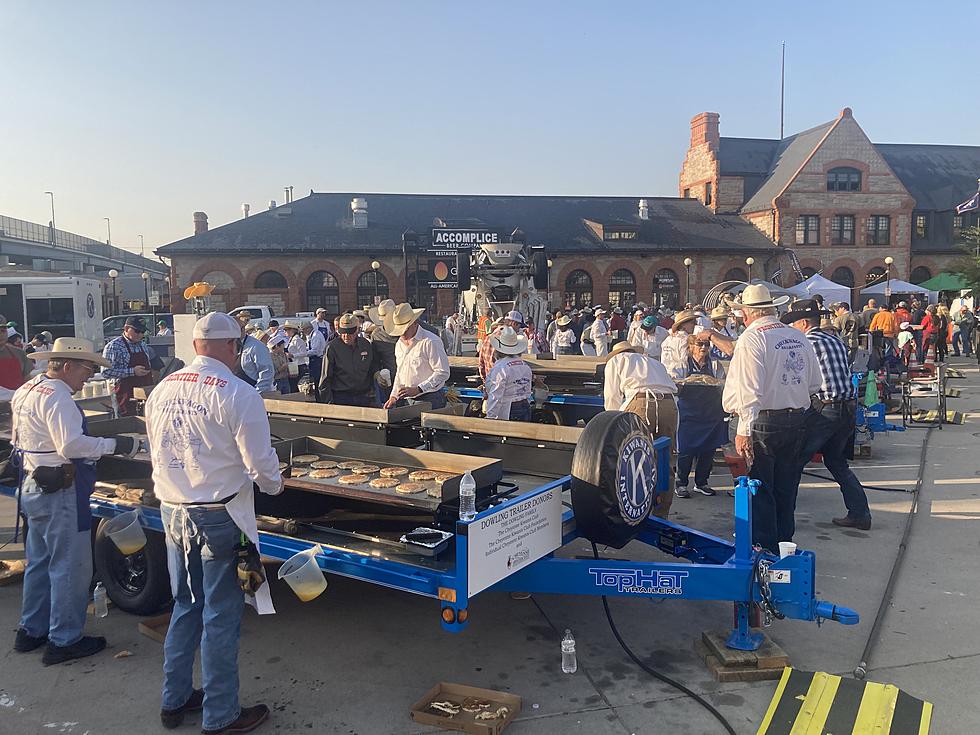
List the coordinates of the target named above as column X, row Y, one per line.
column 584, row 332
column 484, row 353
column 847, row 326
column 617, row 326
column 349, row 366
column 773, row 373
column 57, row 460
column 298, row 352
column 423, row 365
column 384, row 343
column 563, row 340
column 130, row 359
column 599, row 333
column 254, row 362
column 829, row 423
column 509, row 384
column 639, row 384
column 673, row 349
column 210, row 441
column 322, row 324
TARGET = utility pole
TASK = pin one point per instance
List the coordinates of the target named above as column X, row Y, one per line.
column 782, row 91
column 54, row 228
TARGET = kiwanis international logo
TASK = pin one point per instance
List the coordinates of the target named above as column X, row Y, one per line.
column 637, row 479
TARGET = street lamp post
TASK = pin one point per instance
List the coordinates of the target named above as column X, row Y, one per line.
column 374, row 266
column 749, row 261
column 108, row 231
column 687, row 266
column 113, row 275
column 551, row 264
column 888, row 277
column 54, row 229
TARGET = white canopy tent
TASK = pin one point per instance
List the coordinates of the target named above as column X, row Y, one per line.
column 817, row 284
column 895, row 286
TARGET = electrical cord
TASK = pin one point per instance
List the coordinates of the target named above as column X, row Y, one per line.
column 866, row 487
column 653, row 672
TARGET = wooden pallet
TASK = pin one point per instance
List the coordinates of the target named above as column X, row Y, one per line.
column 727, row 664
column 12, row 571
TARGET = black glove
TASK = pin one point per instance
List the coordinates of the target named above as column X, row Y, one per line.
column 251, row 574
column 126, row 446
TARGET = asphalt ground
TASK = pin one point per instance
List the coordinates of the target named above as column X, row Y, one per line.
column 354, row 660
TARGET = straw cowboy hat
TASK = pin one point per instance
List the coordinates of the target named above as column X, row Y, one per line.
column 757, row 296
column 683, row 317
column 401, row 318
column 289, row 324
column 72, row 348
column 564, row 321
column 378, row 313
column 509, row 342
column 619, row 348
column 719, row 312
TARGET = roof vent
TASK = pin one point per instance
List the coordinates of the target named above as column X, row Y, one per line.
column 644, row 209
column 272, row 204
column 358, row 205
column 245, row 208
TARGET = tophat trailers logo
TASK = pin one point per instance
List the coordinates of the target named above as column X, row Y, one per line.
column 639, row 582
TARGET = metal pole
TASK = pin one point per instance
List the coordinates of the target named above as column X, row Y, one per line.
column 375, row 287
column 141, row 246
column 782, row 91
column 108, row 230
column 54, row 227
column 418, row 285
column 688, row 298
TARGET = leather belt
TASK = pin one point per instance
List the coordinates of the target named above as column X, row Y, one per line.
column 780, row 411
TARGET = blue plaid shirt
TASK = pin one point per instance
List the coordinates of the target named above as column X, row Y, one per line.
column 117, row 352
column 835, row 367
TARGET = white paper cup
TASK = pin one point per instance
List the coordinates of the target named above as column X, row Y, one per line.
column 786, row 548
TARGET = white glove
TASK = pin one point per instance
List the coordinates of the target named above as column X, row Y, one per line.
column 384, row 377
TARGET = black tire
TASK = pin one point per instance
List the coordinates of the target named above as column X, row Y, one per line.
column 614, row 478
column 539, row 270
column 138, row 583
column 463, row 278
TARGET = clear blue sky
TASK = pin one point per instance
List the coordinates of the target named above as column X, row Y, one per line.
column 145, row 112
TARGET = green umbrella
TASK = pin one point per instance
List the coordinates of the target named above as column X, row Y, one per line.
column 945, row 282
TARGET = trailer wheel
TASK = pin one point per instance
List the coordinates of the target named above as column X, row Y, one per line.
column 138, row 583
column 614, row 478
column 463, row 279
column 539, row 270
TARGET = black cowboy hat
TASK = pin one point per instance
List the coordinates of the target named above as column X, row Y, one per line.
column 803, row 309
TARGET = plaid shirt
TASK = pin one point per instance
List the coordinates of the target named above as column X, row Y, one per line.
column 117, row 352
column 835, row 367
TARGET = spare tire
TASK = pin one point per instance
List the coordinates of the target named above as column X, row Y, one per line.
column 539, row 270
column 139, row 583
column 614, row 478
column 463, row 278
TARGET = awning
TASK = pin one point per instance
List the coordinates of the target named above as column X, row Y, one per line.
column 946, row 281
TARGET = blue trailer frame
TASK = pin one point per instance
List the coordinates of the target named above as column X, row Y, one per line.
column 570, row 407
column 713, row 568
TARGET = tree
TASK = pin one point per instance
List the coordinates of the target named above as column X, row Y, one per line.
column 968, row 264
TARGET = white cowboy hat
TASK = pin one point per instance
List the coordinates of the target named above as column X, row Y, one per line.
column 289, row 324
column 757, row 296
column 72, row 348
column 619, row 348
column 563, row 321
column 378, row 313
column 508, row 341
column 401, row 318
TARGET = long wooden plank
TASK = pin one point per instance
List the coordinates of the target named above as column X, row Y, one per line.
column 397, row 415
column 493, row 427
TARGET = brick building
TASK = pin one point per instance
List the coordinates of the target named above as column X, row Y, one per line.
column 841, row 202
column 319, row 250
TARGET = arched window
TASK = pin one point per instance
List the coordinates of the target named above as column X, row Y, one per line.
column 322, row 291
column 843, row 178
column 622, row 289
column 736, row 274
column 370, row 292
column 920, row 274
column 578, row 290
column 875, row 275
column 844, row 276
column 666, row 288
column 808, row 272
column 421, row 295
column 270, row 279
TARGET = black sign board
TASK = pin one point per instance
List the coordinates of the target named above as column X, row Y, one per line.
column 447, row 240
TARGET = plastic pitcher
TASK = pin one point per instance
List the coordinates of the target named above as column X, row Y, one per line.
column 126, row 532
column 303, row 575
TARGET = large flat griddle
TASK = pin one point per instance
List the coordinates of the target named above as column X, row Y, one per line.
column 486, row 472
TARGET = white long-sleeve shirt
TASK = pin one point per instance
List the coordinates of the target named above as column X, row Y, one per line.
column 774, row 367
column 297, row 348
column 631, row 373
column 316, row 343
column 46, row 419
column 673, row 354
column 600, row 335
column 209, row 436
column 651, row 341
column 509, row 381
column 422, row 363
column 562, row 338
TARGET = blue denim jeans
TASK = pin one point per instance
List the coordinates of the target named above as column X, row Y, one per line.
column 59, row 566
column 830, row 432
column 208, row 613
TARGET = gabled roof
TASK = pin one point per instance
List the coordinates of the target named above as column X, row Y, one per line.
column 789, row 156
column 741, row 156
column 322, row 222
column 938, row 177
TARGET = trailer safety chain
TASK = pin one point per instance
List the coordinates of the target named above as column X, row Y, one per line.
column 769, row 611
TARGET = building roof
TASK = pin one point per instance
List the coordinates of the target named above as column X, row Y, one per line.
column 323, row 222
column 789, row 156
column 938, row 177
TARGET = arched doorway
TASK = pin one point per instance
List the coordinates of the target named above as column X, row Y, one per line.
column 370, row 292
column 920, row 274
column 875, row 275
column 578, row 290
column 622, row 289
column 736, row 274
column 271, row 279
column 667, row 288
column 844, row 276
column 322, row 291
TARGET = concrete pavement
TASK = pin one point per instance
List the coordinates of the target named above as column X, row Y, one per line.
column 353, row 661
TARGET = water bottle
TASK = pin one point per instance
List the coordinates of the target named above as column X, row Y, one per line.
column 100, row 604
column 467, row 497
column 569, row 664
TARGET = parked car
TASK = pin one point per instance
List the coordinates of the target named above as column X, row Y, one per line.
column 113, row 325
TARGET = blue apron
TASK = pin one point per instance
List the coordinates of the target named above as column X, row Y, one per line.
column 701, row 425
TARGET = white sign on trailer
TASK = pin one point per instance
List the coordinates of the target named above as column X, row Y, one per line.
column 511, row 538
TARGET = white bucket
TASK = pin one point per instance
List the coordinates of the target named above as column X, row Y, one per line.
column 126, row 532
column 303, row 575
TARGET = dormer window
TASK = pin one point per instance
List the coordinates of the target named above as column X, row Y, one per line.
column 843, row 178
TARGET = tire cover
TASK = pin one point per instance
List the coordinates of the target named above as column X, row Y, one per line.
column 614, row 478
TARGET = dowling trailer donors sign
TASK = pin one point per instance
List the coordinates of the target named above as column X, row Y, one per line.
column 442, row 252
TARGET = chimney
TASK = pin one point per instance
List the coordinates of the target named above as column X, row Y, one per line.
column 272, row 204
column 704, row 129
column 358, row 205
column 644, row 212
column 200, row 223
column 245, row 208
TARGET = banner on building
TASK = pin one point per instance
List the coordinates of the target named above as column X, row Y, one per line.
column 442, row 271
column 447, row 240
